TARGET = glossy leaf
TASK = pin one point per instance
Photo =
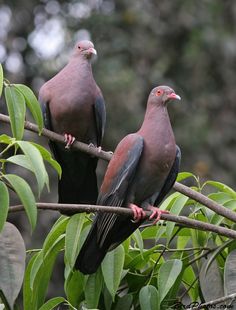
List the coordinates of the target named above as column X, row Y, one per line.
column 176, row 208
column 93, row 289
column 167, row 276
column 12, row 262
column 20, row 160
column 184, row 175
column 16, row 109
column 52, row 303
column 112, row 267
column 74, row 286
column 6, row 139
column 27, row 293
column 73, row 237
column 222, row 187
column 124, row 302
column 148, row 298
column 36, row 162
column 138, row 239
column 26, row 196
column 4, row 204
column 56, row 231
column 48, row 157
column 1, row 80
column 32, row 103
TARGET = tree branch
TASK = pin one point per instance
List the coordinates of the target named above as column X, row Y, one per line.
column 181, row 220
column 214, row 206
column 215, row 302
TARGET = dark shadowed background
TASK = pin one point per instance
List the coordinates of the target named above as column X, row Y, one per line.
column 189, row 45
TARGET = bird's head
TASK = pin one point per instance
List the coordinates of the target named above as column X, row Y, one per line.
column 162, row 94
column 85, row 48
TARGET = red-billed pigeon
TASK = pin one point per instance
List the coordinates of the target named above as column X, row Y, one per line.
column 141, row 172
column 73, row 105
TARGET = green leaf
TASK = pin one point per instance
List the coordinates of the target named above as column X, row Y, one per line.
column 52, row 303
column 4, row 204
column 1, row 80
column 32, row 103
column 36, row 162
column 137, row 237
column 48, row 157
column 12, row 262
column 40, row 274
column 27, row 293
column 184, row 175
column 112, row 267
column 222, row 187
column 124, row 302
column 6, row 139
column 16, row 109
column 148, row 298
column 56, row 231
column 74, row 285
column 188, row 278
column 93, row 289
column 176, row 208
column 20, row 160
column 26, row 196
column 73, row 237
column 167, row 276
column 230, row 274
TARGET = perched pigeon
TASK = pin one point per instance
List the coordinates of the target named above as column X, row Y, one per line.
column 73, row 105
column 141, row 172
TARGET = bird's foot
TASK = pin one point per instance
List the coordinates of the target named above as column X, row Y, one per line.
column 138, row 213
column 69, row 139
column 156, row 213
column 99, row 148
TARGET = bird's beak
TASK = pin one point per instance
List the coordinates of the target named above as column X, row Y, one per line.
column 174, row 96
column 92, row 50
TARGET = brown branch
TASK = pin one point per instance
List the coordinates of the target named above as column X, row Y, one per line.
column 215, row 302
column 181, row 220
column 214, row 206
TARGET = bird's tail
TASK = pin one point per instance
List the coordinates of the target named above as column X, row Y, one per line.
column 91, row 254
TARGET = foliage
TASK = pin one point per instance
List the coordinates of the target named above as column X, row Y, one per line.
column 157, row 267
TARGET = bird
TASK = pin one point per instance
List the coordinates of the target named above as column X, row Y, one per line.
column 73, row 105
column 142, row 171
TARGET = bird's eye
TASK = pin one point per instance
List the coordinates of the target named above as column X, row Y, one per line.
column 79, row 47
column 158, row 93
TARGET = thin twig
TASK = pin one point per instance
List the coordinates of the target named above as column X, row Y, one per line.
column 214, row 206
column 181, row 220
column 214, row 302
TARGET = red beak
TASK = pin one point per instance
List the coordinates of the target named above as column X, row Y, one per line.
column 174, row 96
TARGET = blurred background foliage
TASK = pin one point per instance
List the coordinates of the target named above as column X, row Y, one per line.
column 189, row 45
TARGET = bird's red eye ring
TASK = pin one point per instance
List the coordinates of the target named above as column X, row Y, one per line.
column 158, row 93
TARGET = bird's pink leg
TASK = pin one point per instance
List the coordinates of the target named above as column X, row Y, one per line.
column 156, row 213
column 69, row 139
column 139, row 213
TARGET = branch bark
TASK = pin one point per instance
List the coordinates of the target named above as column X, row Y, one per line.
column 215, row 302
column 181, row 220
column 214, row 206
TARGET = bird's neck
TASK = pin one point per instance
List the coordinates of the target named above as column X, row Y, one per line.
column 156, row 117
column 81, row 65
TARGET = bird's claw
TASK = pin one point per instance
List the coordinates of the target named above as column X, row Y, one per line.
column 138, row 213
column 156, row 213
column 69, row 139
column 98, row 148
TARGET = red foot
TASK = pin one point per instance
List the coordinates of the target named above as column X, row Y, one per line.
column 139, row 213
column 156, row 213
column 69, row 139
column 99, row 148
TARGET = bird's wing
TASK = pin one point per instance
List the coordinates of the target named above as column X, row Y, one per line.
column 119, row 176
column 170, row 180
column 100, row 118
